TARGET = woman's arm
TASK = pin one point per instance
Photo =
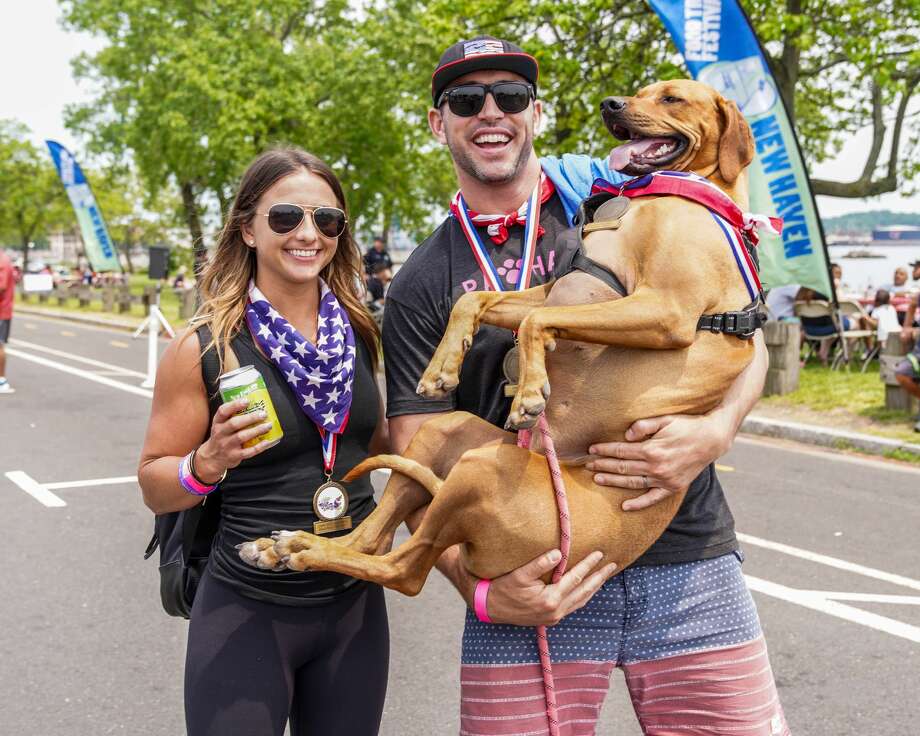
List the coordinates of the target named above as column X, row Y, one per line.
column 179, row 420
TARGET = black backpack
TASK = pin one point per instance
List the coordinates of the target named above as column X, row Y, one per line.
column 184, row 538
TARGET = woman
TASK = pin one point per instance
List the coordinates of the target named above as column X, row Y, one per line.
column 266, row 647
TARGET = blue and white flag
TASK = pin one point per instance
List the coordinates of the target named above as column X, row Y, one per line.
column 100, row 251
column 721, row 49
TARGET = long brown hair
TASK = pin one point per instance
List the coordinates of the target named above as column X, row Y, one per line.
column 225, row 281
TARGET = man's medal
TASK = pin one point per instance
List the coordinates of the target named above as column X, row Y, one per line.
column 511, row 362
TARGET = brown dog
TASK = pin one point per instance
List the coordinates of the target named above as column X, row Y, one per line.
column 616, row 360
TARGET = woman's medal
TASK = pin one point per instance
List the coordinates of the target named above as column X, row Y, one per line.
column 321, row 376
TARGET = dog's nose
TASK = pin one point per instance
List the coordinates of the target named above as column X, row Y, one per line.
column 613, row 104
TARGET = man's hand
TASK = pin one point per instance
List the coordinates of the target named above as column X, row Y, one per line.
column 521, row 598
column 662, row 455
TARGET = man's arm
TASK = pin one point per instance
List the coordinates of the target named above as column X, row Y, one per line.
column 673, row 450
column 520, row 597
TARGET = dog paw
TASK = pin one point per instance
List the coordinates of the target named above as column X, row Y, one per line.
column 525, row 412
column 260, row 553
column 437, row 384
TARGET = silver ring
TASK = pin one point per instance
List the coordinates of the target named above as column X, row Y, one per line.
column 645, row 482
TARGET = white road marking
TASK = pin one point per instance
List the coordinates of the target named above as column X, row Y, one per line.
column 817, row 602
column 92, row 482
column 833, row 595
column 805, row 554
column 81, row 373
column 77, row 358
column 35, row 489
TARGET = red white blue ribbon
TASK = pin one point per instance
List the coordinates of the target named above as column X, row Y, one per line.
column 531, row 233
column 727, row 214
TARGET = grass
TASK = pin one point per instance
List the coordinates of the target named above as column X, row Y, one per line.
column 844, row 398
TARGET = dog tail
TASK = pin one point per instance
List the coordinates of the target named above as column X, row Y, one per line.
column 404, row 466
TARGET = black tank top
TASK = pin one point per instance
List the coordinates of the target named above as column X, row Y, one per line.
column 274, row 490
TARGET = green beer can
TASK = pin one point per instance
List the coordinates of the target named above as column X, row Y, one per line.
column 247, row 382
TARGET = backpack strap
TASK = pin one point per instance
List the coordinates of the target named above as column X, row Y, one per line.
column 210, row 367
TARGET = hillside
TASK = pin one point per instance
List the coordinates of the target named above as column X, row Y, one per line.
column 866, row 221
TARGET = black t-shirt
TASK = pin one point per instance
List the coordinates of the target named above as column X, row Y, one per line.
column 418, row 307
column 274, row 490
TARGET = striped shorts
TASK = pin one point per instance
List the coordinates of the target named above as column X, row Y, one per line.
column 686, row 635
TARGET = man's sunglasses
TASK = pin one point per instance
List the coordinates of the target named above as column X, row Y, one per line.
column 467, row 100
column 284, row 217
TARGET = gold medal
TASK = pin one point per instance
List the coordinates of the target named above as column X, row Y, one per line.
column 511, row 367
column 330, row 504
column 608, row 215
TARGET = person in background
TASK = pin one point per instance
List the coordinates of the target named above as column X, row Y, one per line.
column 7, row 291
column 377, row 284
column 781, row 300
column 899, row 286
column 179, row 280
column 377, row 253
column 883, row 318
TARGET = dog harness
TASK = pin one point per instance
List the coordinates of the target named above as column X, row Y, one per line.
column 738, row 227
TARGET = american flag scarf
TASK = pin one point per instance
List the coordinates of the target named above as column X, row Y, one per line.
column 321, row 375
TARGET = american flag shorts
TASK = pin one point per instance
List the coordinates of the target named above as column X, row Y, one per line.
column 686, row 635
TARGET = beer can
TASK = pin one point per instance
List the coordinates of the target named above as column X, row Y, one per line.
column 247, row 382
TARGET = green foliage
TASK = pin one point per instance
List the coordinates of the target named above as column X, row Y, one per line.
column 866, row 221
column 31, row 196
column 192, row 91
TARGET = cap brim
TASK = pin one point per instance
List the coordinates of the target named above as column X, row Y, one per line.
column 521, row 64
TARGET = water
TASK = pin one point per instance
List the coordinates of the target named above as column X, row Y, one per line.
column 861, row 274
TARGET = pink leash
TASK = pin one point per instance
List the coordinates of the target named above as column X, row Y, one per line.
column 565, row 545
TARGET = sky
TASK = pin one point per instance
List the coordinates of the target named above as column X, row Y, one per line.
column 38, row 50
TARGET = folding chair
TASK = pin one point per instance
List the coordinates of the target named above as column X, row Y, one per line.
column 855, row 312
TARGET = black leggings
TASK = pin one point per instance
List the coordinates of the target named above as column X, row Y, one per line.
column 250, row 666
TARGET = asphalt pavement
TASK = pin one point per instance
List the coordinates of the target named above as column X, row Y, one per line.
column 831, row 544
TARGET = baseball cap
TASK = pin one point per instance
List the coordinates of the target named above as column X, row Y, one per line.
column 914, row 264
column 482, row 52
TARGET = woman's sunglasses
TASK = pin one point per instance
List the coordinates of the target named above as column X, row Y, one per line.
column 467, row 100
column 283, row 218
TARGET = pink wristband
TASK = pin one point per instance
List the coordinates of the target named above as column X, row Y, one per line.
column 188, row 481
column 479, row 600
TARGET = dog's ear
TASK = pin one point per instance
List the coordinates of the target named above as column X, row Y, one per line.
column 736, row 145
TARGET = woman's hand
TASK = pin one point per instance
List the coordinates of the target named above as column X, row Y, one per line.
column 229, row 431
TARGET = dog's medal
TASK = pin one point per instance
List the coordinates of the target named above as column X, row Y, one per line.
column 511, row 363
column 511, row 367
column 608, row 215
column 330, row 504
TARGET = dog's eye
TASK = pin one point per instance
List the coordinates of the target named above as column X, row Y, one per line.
column 668, row 99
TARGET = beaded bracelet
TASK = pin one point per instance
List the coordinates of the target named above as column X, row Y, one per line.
column 188, row 480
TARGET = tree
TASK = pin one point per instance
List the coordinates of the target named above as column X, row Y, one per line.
column 31, row 196
column 132, row 218
column 193, row 91
column 842, row 65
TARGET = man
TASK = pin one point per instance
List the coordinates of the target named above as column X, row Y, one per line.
column 377, row 283
column 486, row 111
column 907, row 371
column 899, row 286
column 7, row 291
column 377, row 253
column 781, row 300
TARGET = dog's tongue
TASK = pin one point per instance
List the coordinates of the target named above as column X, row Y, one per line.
column 622, row 155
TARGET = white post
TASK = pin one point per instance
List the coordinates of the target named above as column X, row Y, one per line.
column 153, row 334
column 154, row 321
